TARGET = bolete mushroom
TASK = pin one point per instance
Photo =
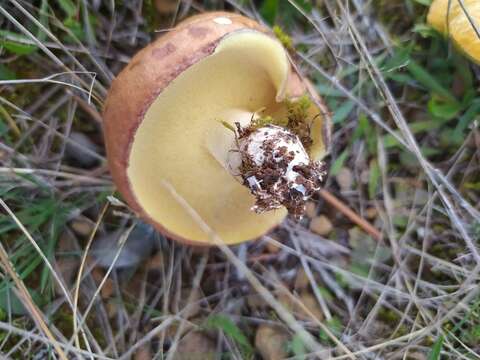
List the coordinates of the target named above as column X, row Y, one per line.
column 214, row 110
column 461, row 20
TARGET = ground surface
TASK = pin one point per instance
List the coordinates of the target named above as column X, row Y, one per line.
column 405, row 157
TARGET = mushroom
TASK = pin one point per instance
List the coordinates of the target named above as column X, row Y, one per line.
column 461, row 20
column 187, row 114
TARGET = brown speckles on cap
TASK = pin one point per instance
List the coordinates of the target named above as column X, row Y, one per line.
column 160, row 53
column 198, row 32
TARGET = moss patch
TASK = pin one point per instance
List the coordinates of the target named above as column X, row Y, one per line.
column 285, row 39
column 297, row 121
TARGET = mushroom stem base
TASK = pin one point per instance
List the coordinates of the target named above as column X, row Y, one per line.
column 277, row 169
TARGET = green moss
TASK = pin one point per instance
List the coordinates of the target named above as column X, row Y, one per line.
column 298, row 121
column 267, row 120
column 388, row 316
column 285, row 39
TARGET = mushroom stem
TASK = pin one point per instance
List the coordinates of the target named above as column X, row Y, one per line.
column 277, row 169
column 270, row 161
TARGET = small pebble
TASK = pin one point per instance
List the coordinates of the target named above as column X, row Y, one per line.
column 371, row 213
column 308, row 300
column 321, row 225
column 345, row 179
column 195, row 346
column 311, row 303
column 365, row 176
column 271, row 341
column 80, row 150
column 255, row 301
column 82, row 227
column 137, row 247
column 144, row 353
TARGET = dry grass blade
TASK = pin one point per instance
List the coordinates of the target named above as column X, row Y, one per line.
column 30, row 335
column 47, row 263
column 385, row 266
column 27, row 300
column 282, row 312
column 80, row 272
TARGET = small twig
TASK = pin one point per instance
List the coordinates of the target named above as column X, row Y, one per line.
column 349, row 213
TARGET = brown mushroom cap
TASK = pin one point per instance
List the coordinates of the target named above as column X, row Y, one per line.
column 163, row 108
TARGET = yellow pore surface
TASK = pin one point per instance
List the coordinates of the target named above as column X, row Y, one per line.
column 462, row 23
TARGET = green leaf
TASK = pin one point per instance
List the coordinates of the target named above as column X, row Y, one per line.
column 400, row 78
column 269, row 10
column 57, row 223
column 463, row 69
column 429, row 151
column 417, row 127
column 342, row 112
column 326, row 294
column 10, row 301
column 360, row 269
column 427, row 80
column 436, row 349
column 15, row 43
column 43, row 18
column 329, row 90
column 68, row 7
column 466, row 119
column 225, row 324
column 298, row 348
column 425, row 30
column 306, row 5
column 362, row 128
column 443, row 108
column 334, row 325
column 76, row 28
column 367, row 131
column 6, row 73
column 400, row 59
column 338, row 163
column 373, row 179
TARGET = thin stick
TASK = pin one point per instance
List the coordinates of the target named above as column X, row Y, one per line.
column 349, row 213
